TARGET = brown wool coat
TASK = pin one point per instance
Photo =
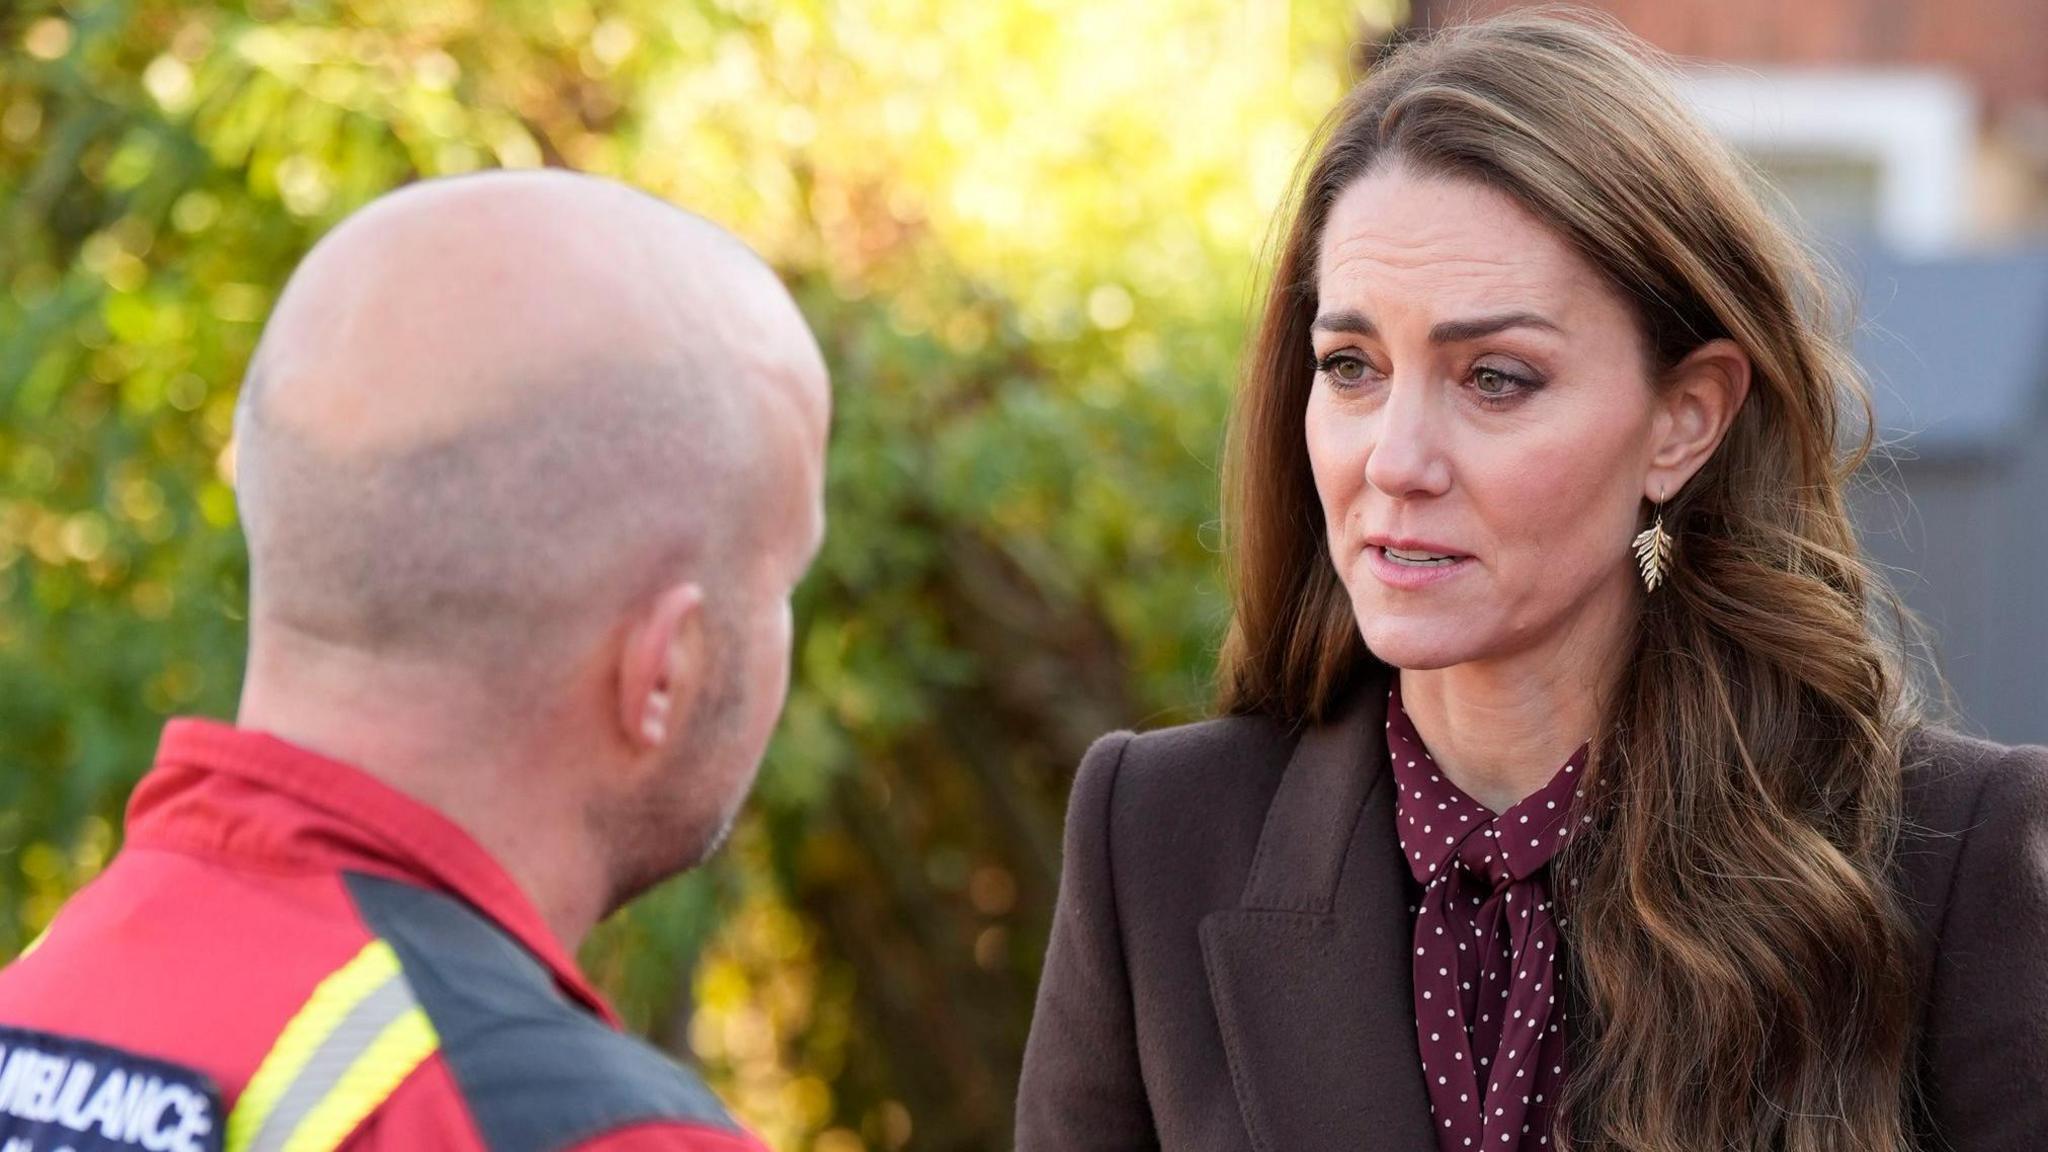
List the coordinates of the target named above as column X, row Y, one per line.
column 1230, row 960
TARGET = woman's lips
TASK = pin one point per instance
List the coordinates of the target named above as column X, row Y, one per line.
column 1413, row 573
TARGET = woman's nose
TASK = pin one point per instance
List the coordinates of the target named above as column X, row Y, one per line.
column 1406, row 457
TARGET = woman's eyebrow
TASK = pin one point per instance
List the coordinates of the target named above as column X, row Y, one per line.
column 1446, row 332
column 1353, row 322
column 1458, row 331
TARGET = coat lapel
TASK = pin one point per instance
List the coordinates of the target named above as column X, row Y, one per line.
column 1311, row 974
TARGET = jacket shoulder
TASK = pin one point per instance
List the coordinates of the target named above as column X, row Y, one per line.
column 1181, row 809
column 537, row 1073
column 1957, row 790
column 1947, row 776
column 1229, row 758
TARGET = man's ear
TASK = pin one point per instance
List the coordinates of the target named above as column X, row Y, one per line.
column 661, row 667
column 1697, row 405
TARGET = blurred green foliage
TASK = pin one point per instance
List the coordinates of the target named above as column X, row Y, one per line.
column 1026, row 232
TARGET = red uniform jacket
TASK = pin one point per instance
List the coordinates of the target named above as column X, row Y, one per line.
column 288, row 954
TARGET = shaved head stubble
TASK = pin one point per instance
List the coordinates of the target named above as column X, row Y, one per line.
column 491, row 418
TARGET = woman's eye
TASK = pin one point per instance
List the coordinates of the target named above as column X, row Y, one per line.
column 1343, row 367
column 1495, row 384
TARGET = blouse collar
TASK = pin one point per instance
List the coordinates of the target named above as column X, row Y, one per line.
column 1439, row 822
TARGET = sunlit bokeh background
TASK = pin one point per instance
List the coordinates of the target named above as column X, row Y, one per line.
column 1027, row 233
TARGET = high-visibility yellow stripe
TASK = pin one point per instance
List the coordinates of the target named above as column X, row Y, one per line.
column 375, row 1075
column 330, row 1003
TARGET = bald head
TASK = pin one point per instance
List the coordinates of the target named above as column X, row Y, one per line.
column 488, row 411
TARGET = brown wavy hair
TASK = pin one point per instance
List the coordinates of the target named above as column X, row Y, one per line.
column 1741, row 957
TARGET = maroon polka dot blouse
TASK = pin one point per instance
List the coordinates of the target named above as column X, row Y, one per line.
column 1487, row 1011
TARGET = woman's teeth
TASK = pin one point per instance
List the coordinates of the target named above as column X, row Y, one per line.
column 1418, row 559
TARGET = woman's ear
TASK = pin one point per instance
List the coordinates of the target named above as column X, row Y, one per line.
column 1697, row 405
column 661, row 667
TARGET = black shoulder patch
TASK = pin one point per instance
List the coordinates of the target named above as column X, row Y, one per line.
column 57, row 1093
column 538, row 1072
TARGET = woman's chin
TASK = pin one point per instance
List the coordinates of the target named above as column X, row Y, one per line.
column 1421, row 645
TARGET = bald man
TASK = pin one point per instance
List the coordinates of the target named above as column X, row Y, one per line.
column 529, row 465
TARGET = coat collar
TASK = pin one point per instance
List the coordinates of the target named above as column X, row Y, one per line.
column 220, row 789
column 1311, row 974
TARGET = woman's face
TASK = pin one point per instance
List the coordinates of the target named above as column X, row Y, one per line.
column 1481, row 427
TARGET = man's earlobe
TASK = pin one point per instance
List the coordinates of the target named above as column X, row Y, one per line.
column 657, row 666
column 654, row 717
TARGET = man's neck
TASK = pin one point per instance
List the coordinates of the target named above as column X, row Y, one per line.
column 451, row 748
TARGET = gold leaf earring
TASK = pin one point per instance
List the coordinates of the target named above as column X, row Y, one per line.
column 1653, row 548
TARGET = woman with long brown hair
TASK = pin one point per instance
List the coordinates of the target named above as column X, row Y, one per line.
column 1568, row 792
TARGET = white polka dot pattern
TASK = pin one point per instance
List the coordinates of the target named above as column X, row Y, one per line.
column 1487, row 1019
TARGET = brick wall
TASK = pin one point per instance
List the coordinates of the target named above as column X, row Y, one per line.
column 1999, row 45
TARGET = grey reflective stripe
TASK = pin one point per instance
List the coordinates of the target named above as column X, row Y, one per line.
column 536, row 1072
column 332, row 1059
